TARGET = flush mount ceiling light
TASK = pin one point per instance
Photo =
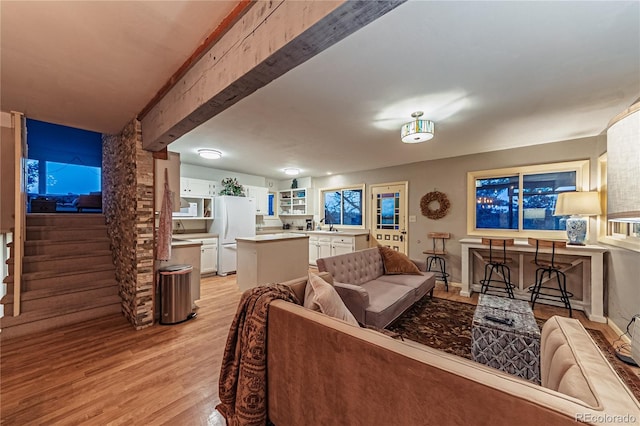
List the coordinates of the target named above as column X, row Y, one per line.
column 418, row 130
column 291, row 171
column 209, row 154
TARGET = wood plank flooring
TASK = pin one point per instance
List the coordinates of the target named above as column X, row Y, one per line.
column 104, row 372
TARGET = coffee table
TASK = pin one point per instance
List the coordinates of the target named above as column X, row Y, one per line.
column 513, row 348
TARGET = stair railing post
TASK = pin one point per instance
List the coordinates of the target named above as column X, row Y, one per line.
column 20, row 142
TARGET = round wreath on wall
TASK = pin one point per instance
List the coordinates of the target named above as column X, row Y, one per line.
column 435, row 197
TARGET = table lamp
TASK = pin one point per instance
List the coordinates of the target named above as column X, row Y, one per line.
column 579, row 205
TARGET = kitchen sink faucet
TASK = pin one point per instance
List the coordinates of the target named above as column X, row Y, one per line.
column 328, row 223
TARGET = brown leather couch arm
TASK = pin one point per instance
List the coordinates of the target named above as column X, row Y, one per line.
column 354, row 297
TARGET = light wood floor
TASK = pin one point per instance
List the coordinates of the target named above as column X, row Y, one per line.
column 107, row 373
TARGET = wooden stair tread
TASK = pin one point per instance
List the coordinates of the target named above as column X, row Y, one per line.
column 66, row 242
column 67, row 227
column 55, row 311
column 58, row 291
column 43, row 257
column 53, row 323
column 51, row 274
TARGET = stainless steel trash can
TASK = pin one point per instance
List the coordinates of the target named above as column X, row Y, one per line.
column 175, row 294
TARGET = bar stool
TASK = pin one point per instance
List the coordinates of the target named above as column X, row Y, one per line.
column 498, row 265
column 435, row 262
column 552, row 269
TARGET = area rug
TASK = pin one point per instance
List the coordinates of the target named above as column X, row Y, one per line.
column 446, row 325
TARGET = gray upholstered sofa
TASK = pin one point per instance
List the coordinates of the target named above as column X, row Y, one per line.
column 372, row 297
column 322, row 370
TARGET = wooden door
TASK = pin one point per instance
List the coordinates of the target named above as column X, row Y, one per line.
column 389, row 215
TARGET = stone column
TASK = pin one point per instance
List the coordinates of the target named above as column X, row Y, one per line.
column 127, row 182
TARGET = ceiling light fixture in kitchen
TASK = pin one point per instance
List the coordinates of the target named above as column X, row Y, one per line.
column 418, row 130
column 209, row 154
column 292, row 171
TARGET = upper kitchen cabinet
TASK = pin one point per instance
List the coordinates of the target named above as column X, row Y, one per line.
column 172, row 165
column 190, row 187
column 261, row 195
column 293, row 202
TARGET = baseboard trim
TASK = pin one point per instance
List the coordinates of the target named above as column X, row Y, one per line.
column 618, row 332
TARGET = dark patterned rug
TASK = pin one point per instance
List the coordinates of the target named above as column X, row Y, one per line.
column 446, row 325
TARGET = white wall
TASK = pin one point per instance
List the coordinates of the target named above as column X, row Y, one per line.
column 449, row 176
column 209, row 173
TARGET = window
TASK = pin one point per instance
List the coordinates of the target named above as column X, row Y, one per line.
column 33, row 176
column 271, row 209
column 343, row 206
column 64, row 178
column 521, row 201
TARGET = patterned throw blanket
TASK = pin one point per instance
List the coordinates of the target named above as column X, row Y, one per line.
column 243, row 375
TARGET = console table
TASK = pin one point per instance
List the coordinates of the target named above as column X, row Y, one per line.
column 588, row 259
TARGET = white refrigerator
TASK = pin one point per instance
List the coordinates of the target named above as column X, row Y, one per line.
column 233, row 217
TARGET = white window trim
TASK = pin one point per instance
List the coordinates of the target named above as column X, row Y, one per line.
column 623, row 241
column 342, row 188
column 581, row 168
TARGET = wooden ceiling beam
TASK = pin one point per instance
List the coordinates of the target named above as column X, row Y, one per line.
column 228, row 22
column 272, row 38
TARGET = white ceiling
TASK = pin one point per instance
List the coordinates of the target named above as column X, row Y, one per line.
column 94, row 64
column 492, row 75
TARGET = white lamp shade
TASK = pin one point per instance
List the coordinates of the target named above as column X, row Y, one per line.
column 578, row 203
column 417, row 131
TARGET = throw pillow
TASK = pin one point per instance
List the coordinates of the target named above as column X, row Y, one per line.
column 397, row 263
column 319, row 295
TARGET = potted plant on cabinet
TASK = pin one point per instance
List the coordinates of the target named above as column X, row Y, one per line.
column 230, row 186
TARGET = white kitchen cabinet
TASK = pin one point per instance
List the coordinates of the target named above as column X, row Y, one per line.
column 324, row 247
column 341, row 248
column 209, row 256
column 190, row 187
column 321, row 245
column 293, row 202
column 203, row 209
column 261, row 196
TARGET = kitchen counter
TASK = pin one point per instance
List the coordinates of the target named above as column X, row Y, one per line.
column 273, row 237
column 271, row 258
column 351, row 233
column 194, row 236
column 184, row 243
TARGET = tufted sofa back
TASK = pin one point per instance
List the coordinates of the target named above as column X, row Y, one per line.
column 356, row 268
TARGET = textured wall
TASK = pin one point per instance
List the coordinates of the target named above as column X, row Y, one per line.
column 127, row 175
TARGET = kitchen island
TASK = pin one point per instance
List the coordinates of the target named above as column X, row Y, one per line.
column 271, row 258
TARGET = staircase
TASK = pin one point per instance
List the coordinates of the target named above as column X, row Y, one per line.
column 68, row 274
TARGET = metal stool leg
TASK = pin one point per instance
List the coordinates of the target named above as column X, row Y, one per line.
column 437, row 264
column 506, row 274
column 536, row 288
column 562, row 285
column 443, row 269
